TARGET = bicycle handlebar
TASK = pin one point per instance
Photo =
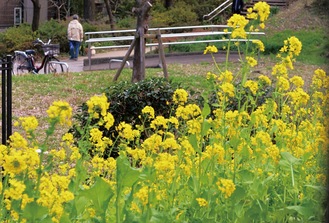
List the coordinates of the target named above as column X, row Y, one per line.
column 39, row 41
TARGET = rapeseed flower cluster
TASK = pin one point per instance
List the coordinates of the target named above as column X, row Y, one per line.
column 60, row 111
column 199, row 164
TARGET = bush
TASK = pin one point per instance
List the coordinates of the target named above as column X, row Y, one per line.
column 179, row 15
column 56, row 31
column 127, row 101
column 17, row 38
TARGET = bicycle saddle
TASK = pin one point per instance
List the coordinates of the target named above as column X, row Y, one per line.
column 30, row 52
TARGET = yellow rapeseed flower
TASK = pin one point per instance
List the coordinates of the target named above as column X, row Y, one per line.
column 252, row 85
column 297, row 81
column 283, row 84
column 265, row 79
column 98, row 105
column 180, row 96
column 260, row 45
column 202, row 202
column 143, row 195
column 15, row 163
column 158, row 122
column 263, row 10
column 226, row 186
column 226, row 76
column 251, row 61
column 148, row 110
column 62, row 111
column 15, row 190
column 210, row 49
column 126, row 131
column 109, row 120
column 29, row 123
column 295, row 46
column 228, row 89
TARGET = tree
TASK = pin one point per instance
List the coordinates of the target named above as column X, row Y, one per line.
column 89, row 10
column 36, row 15
column 110, row 13
column 60, row 5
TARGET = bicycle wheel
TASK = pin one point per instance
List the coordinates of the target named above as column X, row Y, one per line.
column 52, row 67
column 20, row 65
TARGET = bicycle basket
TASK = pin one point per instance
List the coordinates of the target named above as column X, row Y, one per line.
column 52, row 49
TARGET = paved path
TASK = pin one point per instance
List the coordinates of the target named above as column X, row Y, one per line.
column 101, row 61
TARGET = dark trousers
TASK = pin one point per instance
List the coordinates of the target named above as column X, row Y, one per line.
column 237, row 6
column 74, row 49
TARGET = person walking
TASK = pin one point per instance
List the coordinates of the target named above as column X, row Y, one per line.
column 75, row 36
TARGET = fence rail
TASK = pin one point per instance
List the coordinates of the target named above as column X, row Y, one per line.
column 169, row 36
column 6, row 98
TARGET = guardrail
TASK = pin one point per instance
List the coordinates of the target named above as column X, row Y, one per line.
column 187, row 37
column 218, row 10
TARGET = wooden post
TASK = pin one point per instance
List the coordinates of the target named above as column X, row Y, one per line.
column 132, row 46
column 142, row 12
column 162, row 55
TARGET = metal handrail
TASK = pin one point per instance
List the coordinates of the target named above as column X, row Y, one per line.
column 225, row 4
column 88, row 34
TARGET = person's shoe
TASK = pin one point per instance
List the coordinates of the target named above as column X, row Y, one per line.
column 76, row 59
column 71, row 58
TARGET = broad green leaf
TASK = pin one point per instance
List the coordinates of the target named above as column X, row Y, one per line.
column 81, row 203
column 246, row 176
column 205, row 127
column 126, row 175
column 306, row 212
column 290, row 158
column 318, row 188
column 34, row 212
column 238, row 194
column 206, row 110
column 194, row 142
column 99, row 194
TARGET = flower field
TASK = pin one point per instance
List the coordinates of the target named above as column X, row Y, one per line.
column 255, row 163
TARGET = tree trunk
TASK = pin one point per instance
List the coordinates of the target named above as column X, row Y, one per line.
column 36, row 15
column 142, row 13
column 89, row 10
column 168, row 3
column 110, row 13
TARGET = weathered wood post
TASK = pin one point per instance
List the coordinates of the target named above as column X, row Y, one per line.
column 142, row 13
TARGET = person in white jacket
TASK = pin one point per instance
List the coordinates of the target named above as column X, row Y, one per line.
column 75, row 36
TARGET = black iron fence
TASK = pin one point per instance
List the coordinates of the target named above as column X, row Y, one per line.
column 6, row 98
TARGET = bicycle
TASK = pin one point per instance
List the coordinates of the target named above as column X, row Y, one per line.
column 24, row 61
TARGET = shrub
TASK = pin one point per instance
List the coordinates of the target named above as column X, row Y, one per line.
column 179, row 15
column 127, row 100
column 17, row 38
column 56, row 31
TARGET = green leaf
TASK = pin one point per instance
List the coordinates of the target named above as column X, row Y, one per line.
column 194, row 142
column 318, row 188
column 99, row 194
column 238, row 194
column 306, row 212
column 246, row 176
column 206, row 110
column 205, row 127
column 34, row 212
column 290, row 158
column 126, row 175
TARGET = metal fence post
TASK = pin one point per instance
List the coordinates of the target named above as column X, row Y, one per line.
column 6, row 99
column 9, row 95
